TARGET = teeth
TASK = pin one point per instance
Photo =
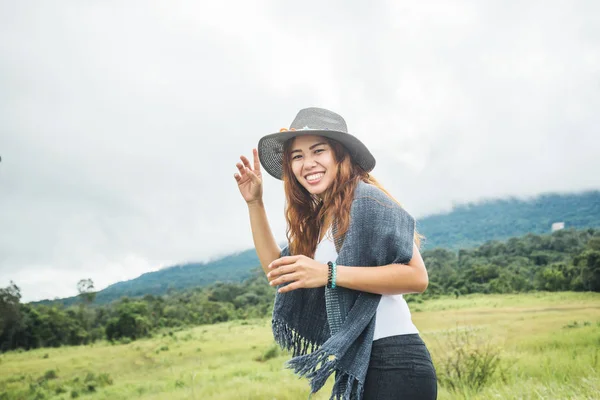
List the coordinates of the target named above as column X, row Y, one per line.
column 314, row 177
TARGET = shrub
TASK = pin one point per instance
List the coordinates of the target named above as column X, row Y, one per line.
column 104, row 379
column 50, row 374
column 60, row 390
column 467, row 363
column 89, row 377
column 125, row 340
column 270, row 353
column 38, row 394
column 92, row 382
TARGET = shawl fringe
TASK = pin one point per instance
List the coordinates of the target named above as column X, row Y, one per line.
column 317, row 366
column 291, row 340
column 347, row 387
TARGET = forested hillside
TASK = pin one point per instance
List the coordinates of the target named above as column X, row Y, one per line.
column 466, row 226
column 475, row 223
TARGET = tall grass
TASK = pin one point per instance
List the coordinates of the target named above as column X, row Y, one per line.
column 548, row 349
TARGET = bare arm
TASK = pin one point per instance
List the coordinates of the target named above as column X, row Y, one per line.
column 304, row 272
column 250, row 184
column 388, row 279
column 264, row 242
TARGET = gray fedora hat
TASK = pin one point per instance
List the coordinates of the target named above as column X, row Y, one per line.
column 312, row 121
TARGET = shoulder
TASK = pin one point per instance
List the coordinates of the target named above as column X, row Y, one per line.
column 374, row 205
column 366, row 194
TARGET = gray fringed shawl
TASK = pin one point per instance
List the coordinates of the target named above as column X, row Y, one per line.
column 331, row 330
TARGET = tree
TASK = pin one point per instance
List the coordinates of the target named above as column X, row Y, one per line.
column 589, row 261
column 85, row 287
column 131, row 321
column 10, row 315
column 552, row 278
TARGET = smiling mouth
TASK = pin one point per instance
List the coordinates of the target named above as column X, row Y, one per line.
column 314, row 177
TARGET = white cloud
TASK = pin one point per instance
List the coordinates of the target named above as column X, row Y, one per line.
column 121, row 122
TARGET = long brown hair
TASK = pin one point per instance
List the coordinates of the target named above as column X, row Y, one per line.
column 305, row 213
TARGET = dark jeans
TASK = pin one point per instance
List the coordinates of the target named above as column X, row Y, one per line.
column 400, row 368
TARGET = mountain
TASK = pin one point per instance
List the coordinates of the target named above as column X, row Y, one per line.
column 472, row 224
column 232, row 268
column 465, row 226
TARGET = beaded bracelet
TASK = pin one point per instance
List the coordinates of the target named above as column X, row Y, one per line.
column 331, row 275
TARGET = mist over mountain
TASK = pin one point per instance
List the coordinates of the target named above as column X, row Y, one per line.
column 467, row 225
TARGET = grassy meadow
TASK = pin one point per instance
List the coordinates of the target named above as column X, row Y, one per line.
column 547, row 344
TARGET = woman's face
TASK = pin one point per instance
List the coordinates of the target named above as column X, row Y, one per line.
column 313, row 163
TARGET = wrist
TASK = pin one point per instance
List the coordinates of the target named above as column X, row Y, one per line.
column 255, row 204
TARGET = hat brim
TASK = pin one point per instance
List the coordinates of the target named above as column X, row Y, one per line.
column 270, row 149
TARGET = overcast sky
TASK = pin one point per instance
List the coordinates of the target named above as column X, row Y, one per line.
column 121, row 121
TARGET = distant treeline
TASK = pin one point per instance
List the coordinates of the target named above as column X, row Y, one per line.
column 565, row 260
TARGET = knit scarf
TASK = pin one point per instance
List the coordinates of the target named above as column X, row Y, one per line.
column 331, row 330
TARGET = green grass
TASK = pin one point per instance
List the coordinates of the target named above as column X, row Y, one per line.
column 549, row 346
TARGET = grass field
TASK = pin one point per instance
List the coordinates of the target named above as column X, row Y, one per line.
column 549, row 349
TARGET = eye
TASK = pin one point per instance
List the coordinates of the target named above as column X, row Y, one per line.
column 319, row 151
column 296, row 157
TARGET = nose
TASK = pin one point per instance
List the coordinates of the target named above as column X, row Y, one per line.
column 310, row 163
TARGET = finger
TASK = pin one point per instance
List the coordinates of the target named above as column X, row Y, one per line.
column 290, row 287
column 284, row 278
column 255, row 179
column 286, row 269
column 241, row 168
column 283, row 261
column 256, row 161
column 237, row 177
column 246, row 162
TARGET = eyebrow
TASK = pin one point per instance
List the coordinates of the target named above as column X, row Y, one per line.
column 310, row 148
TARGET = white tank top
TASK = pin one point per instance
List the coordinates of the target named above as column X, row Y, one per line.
column 393, row 315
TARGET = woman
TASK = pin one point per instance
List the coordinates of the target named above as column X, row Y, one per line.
column 352, row 252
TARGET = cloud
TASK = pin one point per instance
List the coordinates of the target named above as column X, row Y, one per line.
column 121, row 123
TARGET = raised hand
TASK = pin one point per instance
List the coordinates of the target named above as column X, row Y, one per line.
column 249, row 179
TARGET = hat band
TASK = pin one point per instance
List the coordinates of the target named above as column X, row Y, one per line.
column 305, row 128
